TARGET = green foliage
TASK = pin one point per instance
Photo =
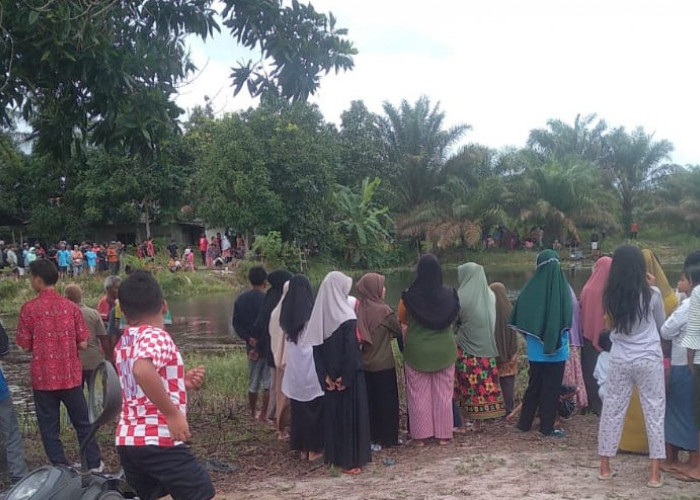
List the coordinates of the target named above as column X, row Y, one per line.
column 296, row 44
column 363, row 224
column 634, row 163
column 416, row 143
column 276, row 253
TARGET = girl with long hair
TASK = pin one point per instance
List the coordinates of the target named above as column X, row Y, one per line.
column 636, row 313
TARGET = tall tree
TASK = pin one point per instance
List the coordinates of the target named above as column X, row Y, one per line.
column 107, row 71
column 564, row 143
column 362, row 151
column 417, row 143
column 635, row 164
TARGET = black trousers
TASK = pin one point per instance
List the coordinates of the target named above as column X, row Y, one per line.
column 383, row 400
column 542, row 393
column 48, row 416
column 589, row 357
column 154, row 471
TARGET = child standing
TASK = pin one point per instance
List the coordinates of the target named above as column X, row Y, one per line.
column 153, row 430
column 679, row 426
column 602, row 365
column 637, row 312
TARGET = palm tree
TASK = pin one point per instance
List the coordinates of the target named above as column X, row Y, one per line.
column 560, row 199
column 677, row 201
column 562, row 142
column 633, row 163
column 417, row 143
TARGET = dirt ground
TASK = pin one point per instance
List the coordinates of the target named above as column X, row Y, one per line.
column 498, row 463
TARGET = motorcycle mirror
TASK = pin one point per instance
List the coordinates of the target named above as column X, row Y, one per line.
column 105, row 394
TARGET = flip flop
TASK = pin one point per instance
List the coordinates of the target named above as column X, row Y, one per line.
column 353, row 472
column 608, row 477
column 658, row 484
column 682, row 476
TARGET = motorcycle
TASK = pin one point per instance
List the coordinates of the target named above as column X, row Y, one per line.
column 60, row 482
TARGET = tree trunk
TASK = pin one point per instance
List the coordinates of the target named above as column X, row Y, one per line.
column 148, row 219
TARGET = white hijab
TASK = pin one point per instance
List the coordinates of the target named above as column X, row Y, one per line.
column 276, row 332
column 331, row 309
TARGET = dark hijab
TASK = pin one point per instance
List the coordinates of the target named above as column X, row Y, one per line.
column 429, row 302
column 296, row 307
column 276, row 279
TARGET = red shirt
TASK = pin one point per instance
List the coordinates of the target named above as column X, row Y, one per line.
column 141, row 423
column 51, row 327
column 103, row 307
column 203, row 244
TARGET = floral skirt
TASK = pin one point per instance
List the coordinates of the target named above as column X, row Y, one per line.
column 477, row 387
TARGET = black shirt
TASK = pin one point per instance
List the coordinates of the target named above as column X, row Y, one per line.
column 245, row 311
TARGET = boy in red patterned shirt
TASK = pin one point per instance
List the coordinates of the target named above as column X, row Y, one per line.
column 153, row 430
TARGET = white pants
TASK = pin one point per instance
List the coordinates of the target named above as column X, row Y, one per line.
column 648, row 376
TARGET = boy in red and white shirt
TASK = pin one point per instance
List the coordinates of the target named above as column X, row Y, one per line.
column 153, row 429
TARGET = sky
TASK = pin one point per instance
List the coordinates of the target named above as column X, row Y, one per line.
column 504, row 66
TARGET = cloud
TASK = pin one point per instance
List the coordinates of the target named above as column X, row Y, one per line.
column 506, row 67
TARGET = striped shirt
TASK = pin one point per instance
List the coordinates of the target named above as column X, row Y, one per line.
column 692, row 329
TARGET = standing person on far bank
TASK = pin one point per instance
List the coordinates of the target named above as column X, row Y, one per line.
column 245, row 311
column 52, row 329
column 203, row 244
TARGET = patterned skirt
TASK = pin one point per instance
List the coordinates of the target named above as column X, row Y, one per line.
column 477, row 386
column 573, row 376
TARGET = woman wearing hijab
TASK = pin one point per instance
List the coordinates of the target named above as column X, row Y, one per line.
column 300, row 382
column 276, row 279
column 543, row 315
column 332, row 330
column 573, row 373
column 654, row 268
column 428, row 310
column 477, row 386
column 378, row 325
column 283, row 412
column 507, row 345
column 592, row 323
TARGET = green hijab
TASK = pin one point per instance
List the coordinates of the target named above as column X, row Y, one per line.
column 477, row 312
column 544, row 307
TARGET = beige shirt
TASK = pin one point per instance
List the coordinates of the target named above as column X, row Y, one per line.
column 91, row 356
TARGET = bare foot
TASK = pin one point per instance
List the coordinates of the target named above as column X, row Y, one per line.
column 353, row 472
column 418, row 443
column 313, row 456
column 444, row 442
column 667, row 466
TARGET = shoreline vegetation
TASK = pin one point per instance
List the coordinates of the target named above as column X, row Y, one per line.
column 14, row 293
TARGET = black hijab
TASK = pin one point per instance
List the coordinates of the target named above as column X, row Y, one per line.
column 296, row 307
column 276, row 279
column 430, row 303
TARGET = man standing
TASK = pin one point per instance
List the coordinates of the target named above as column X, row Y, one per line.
column 634, row 230
column 172, row 249
column 98, row 341
column 9, row 427
column 245, row 312
column 52, row 329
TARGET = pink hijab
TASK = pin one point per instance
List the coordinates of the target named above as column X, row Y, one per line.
column 592, row 312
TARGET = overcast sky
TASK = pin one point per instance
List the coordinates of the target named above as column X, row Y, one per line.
column 505, row 67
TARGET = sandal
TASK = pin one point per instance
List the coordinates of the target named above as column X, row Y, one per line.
column 557, row 433
column 606, row 477
column 657, row 484
column 353, row 472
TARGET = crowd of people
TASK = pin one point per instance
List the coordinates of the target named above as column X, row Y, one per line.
column 71, row 260
column 628, row 351
column 328, row 362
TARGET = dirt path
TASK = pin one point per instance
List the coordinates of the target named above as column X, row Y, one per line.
column 498, row 463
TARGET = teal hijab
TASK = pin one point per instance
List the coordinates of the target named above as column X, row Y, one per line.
column 477, row 312
column 544, row 308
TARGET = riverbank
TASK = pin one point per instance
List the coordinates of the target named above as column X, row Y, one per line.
column 15, row 292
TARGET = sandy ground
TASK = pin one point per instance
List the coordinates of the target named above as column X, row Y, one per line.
column 498, row 463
